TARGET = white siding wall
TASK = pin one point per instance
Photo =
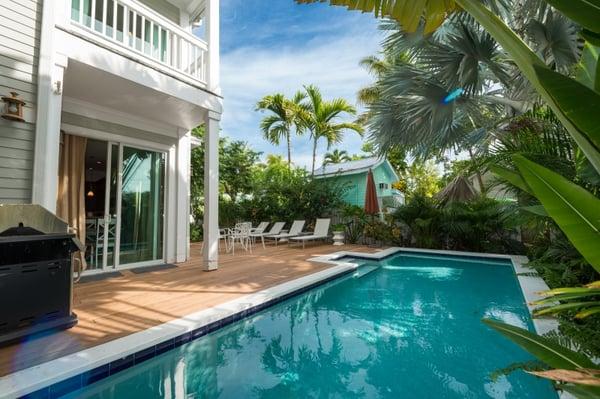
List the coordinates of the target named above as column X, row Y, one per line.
column 19, row 45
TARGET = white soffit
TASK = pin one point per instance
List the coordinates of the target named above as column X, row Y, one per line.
column 94, row 86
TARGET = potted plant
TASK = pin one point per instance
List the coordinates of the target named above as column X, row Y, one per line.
column 339, row 234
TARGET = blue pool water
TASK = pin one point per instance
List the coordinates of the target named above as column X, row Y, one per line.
column 408, row 328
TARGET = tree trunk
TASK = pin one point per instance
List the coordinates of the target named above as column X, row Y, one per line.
column 314, row 155
column 289, row 149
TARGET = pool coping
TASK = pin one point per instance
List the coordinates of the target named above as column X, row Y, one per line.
column 71, row 372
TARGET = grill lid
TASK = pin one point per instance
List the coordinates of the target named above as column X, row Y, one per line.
column 20, row 230
column 29, row 220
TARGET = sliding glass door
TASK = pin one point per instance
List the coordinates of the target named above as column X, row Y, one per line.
column 142, row 205
column 124, row 205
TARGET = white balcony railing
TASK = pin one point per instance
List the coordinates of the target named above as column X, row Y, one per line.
column 139, row 29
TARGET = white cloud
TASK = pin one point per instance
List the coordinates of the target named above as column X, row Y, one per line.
column 249, row 73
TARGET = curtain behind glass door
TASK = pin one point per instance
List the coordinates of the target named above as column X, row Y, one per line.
column 142, row 206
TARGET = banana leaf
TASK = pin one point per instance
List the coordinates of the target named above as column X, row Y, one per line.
column 581, row 391
column 587, row 69
column 510, row 176
column 583, row 376
column 536, row 210
column 565, row 306
column 408, row 12
column 544, row 349
column 579, row 103
column 585, row 12
column 591, row 37
column 574, row 209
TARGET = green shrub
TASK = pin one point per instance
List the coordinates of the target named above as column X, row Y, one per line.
column 480, row 225
column 354, row 218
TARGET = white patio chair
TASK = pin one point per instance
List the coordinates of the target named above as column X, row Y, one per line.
column 241, row 233
column 100, row 232
column 321, row 233
column 223, row 235
column 276, row 229
column 295, row 230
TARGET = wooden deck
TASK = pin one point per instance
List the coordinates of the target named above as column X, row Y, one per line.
column 119, row 306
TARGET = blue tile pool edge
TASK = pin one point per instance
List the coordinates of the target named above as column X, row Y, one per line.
column 96, row 374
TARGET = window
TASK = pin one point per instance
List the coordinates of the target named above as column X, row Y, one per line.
column 383, row 186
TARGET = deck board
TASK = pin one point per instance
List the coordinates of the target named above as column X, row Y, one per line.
column 119, row 306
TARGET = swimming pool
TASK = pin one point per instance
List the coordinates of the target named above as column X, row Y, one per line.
column 407, row 326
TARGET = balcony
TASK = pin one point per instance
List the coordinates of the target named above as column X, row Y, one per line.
column 142, row 34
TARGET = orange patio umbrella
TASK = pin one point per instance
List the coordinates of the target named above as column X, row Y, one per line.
column 371, row 203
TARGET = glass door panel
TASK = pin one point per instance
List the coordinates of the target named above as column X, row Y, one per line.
column 142, row 206
column 96, row 155
column 111, row 212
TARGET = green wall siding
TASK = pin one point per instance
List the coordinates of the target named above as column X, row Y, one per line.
column 357, row 184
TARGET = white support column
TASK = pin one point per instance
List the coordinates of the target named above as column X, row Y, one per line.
column 47, row 134
column 211, row 191
column 171, row 211
column 49, row 104
column 183, row 199
column 212, row 37
column 184, row 20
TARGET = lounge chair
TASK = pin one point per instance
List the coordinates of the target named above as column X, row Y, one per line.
column 295, row 230
column 321, row 233
column 260, row 228
column 276, row 229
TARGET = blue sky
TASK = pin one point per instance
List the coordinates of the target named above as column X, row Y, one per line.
column 270, row 46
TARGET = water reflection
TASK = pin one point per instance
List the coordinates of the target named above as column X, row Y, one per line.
column 384, row 335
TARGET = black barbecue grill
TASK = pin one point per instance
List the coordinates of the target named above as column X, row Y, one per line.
column 36, row 272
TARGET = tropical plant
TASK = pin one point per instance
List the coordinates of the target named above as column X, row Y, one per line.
column 576, row 372
column 419, row 179
column 322, row 120
column 575, row 105
column 421, row 216
column 355, row 219
column 280, row 193
column 336, row 156
column 236, row 173
column 285, row 115
column 423, row 107
column 479, row 225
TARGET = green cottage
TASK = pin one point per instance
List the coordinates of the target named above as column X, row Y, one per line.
column 353, row 175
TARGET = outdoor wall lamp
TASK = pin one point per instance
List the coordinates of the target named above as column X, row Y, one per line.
column 13, row 110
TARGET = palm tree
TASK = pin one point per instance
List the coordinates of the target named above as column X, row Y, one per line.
column 285, row 116
column 408, row 104
column 320, row 117
column 336, row 156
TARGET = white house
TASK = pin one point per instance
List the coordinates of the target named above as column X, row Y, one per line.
column 112, row 89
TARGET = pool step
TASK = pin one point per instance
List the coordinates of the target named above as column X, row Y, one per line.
column 364, row 270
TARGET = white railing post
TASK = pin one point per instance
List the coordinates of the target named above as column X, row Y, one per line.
column 159, row 39
column 212, row 35
column 104, row 9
